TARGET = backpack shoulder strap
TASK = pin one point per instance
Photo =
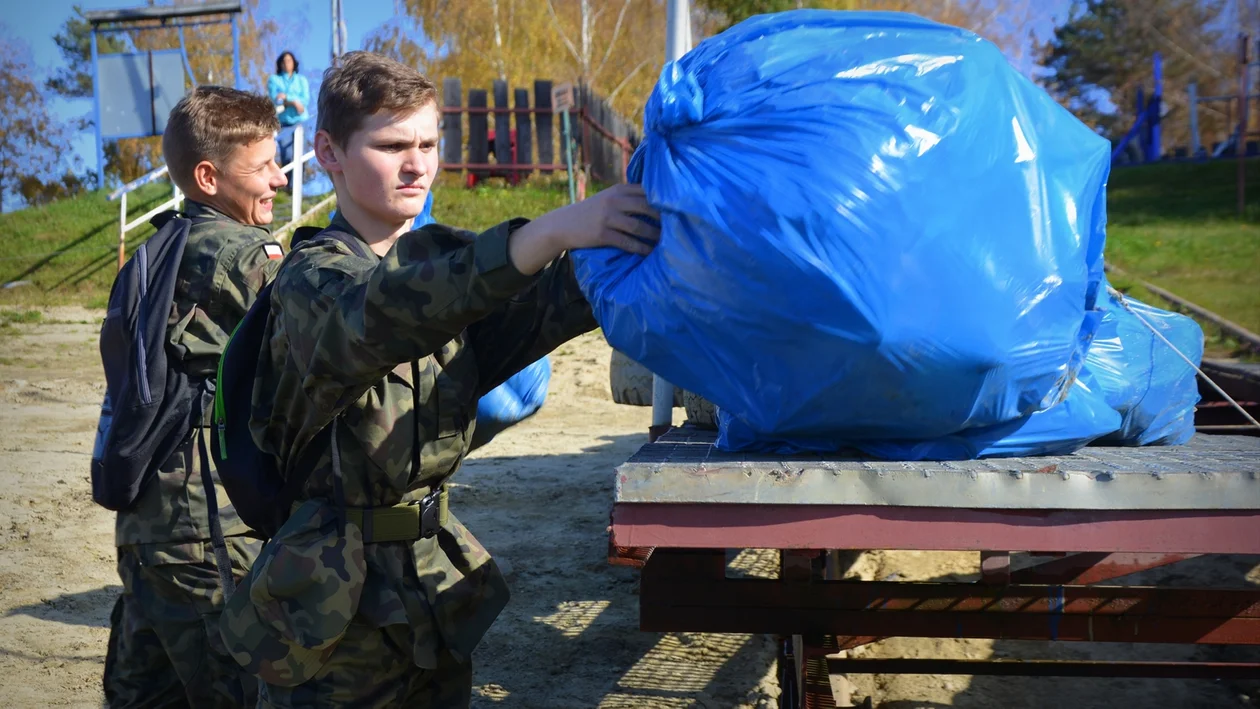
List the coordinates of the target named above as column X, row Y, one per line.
column 309, row 233
column 159, row 220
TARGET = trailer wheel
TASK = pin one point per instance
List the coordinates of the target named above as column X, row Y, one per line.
column 700, row 411
column 631, row 382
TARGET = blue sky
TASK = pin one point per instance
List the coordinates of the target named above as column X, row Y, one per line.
column 37, row 21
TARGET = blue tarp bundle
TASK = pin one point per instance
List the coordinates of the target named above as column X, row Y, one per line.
column 513, row 401
column 876, row 233
column 1142, row 378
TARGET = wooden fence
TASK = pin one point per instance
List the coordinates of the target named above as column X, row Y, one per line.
column 525, row 139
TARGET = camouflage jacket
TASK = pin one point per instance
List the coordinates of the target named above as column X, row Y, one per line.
column 400, row 348
column 225, row 264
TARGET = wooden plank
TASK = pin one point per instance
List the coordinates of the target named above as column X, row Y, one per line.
column 478, row 130
column 524, row 131
column 452, row 123
column 543, row 123
column 502, row 124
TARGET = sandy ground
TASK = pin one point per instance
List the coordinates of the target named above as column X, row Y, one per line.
column 538, row 497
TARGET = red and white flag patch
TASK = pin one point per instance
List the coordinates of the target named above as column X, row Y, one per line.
column 273, row 251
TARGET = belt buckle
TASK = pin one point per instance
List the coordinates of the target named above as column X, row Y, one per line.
column 431, row 514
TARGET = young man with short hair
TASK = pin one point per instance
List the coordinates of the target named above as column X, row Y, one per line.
column 371, row 595
column 164, row 646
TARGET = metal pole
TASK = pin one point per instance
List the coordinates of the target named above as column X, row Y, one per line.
column 1240, row 146
column 183, row 53
column 236, row 51
column 677, row 29
column 1156, row 107
column 96, row 92
column 1195, row 146
column 568, row 153
column 295, row 177
column 334, row 50
column 1144, row 127
column 122, row 231
column 677, row 43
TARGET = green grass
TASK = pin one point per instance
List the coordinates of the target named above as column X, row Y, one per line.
column 486, row 205
column 1177, row 226
column 24, row 317
column 1172, row 224
column 68, row 250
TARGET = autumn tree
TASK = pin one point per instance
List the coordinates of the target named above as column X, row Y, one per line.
column 616, row 47
column 1102, row 56
column 209, row 49
column 32, row 139
column 1000, row 21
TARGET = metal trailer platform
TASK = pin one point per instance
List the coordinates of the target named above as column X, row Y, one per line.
column 1103, row 512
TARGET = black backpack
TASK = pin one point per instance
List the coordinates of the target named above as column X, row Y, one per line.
column 149, row 406
column 252, row 479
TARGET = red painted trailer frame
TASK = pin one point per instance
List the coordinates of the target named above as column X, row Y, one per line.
column 681, row 504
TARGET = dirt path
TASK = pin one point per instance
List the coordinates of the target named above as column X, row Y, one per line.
column 538, row 497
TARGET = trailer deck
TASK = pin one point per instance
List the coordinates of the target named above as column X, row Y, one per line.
column 1102, row 512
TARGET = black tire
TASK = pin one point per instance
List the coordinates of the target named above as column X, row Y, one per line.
column 700, row 411
column 631, row 382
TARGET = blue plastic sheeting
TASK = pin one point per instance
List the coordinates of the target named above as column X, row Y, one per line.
column 425, row 217
column 874, row 230
column 513, row 401
column 1141, row 376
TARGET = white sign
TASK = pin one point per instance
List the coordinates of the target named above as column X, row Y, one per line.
column 562, row 97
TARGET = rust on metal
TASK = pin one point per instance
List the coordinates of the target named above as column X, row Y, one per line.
column 1048, row 668
column 684, row 591
column 1095, row 567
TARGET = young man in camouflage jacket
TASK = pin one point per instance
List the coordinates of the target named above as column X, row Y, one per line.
column 164, row 644
column 371, row 594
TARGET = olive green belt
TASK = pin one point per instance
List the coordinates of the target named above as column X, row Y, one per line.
column 406, row 521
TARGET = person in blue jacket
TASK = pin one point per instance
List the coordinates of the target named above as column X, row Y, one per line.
column 290, row 92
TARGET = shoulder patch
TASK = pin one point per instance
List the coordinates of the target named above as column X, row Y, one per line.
column 273, row 251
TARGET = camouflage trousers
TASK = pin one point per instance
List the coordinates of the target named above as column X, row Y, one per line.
column 164, row 644
column 373, row 667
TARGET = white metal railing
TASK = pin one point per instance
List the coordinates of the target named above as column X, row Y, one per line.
column 121, row 194
column 296, row 168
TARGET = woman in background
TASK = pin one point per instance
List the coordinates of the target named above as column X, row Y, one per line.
column 290, row 92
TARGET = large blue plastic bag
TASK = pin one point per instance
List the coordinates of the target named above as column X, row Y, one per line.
column 513, row 401
column 1142, row 377
column 873, row 229
column 1083, row 417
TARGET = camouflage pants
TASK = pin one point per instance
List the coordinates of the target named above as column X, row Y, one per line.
column 164, row 645
column 373, row 667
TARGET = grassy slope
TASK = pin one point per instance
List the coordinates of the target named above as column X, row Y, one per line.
column 68, row 250
column 1176, row 226
column 1173, row 224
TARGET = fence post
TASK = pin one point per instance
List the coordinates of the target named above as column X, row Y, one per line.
column 524, row 132
column 502, row 126
column 543, row 121
column 122, row 231
column 478, row 131
column 452, row 123
column 295, row 177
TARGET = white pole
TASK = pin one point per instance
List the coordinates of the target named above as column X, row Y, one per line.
column 677, row 43
column 677, row 29
column 295, row 176
column 1193, row 90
